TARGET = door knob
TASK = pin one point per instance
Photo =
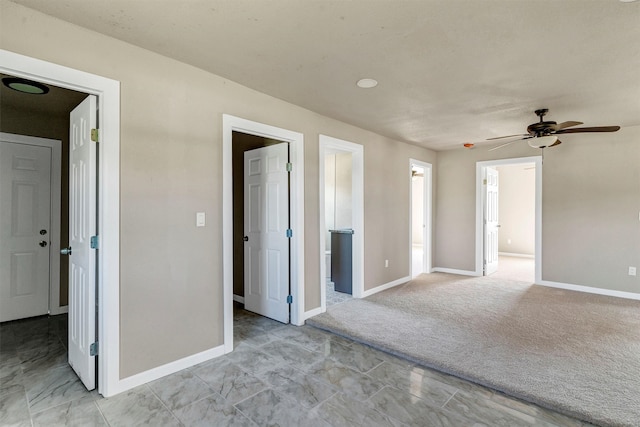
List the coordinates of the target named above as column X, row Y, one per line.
column 43, row 232
column 43, row 243
column 245, row 238
column 66, row 251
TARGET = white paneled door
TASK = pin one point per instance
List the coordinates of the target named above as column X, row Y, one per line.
column 266, row 220
column 25, row 208
column 492, row 225
column 82, row 226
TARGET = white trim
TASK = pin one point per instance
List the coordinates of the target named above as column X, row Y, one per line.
column 55, row 183
column 169, row 368
column 386, row 286
column 426, row 209
column 314, row 312
column 296, row 147
column 108, row 92
column 516, row 255
column 238, row 298
column 589, row 290
column 329, row 145
column 455, row 271
column 480, row 167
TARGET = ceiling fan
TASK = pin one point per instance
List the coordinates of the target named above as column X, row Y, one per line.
column 544, row 133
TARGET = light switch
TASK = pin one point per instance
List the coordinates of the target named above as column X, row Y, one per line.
column 200, row 219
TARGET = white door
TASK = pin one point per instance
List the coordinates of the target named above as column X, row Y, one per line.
column 25, row 212
column 491, row 222
column 82, row 226
column 266, row 220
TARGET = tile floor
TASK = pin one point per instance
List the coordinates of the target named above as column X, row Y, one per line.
column 278, row 375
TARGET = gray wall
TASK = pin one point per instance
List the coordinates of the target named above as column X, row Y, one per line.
column 590, row 208
column 516, row 210
column 171, row 168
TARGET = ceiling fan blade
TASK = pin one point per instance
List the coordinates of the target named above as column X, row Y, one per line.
column 505, row 144
column 558, row 142
column 508, row 136
column 593, row 129
column 565, row 125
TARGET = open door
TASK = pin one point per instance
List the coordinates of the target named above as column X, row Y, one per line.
column 82, row 228
column 266, row 224
column 491, row 225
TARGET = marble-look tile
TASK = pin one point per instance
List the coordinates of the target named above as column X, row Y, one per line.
column 542, row 415
column 355, row 356
column 412, row 410
column 180, row 389
column 229, row 380
column 293, row 354
column 306, row 389
column 355, row 384
column 316, row 339
column 53, row 387
column 14, row 408
column 11, row 374
column 268, row 408
column 482, row 410
column 137, row 407
column 252, row 335
column 80, row 413
column 414, row 381
column 41, row 359
column 458, row 383
column 212, row 411
column 253, row 360
column 342, row 411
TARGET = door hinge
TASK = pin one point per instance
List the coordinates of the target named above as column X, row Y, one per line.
column 484, row 182
column 289, row 233
column 94, row 242
column 93, row 349
column 289, row 167
column 289, row 299
column 94, row 135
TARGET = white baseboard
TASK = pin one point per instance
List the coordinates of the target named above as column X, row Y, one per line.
column 385, row 286
column 238, row 298
column 454, row 271
column 516, row 255
column 590, row 290
column 167, row 369
column 59, row 310
column 314, row 312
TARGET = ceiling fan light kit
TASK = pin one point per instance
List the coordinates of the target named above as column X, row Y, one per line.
column 544, row 133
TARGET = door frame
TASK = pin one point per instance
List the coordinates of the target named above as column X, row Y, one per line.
column 296, row 196
column 330, row 145
column 55, row 183
column 426, row 212
column 108, row 279
column 480, row 172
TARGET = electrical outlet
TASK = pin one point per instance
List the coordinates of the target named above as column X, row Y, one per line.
column 386, row 263
column 632, row 271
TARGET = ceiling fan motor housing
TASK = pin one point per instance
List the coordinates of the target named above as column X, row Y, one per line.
column 541, row 128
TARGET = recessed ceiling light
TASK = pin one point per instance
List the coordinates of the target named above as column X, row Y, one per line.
column 367, row 83
column 25, row 86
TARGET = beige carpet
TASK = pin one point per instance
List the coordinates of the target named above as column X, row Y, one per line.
column 572, row 352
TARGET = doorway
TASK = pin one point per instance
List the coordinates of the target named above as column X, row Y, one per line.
column 341, row 209
column 420, row 217
column 508, row 218
column 108, row 95
column 30, row 232
column 231, row 125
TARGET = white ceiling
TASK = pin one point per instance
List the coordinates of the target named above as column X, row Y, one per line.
column 450, row 71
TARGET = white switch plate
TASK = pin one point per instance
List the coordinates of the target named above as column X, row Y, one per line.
column 386, row 263
column 632, row 271
column 200, row 219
